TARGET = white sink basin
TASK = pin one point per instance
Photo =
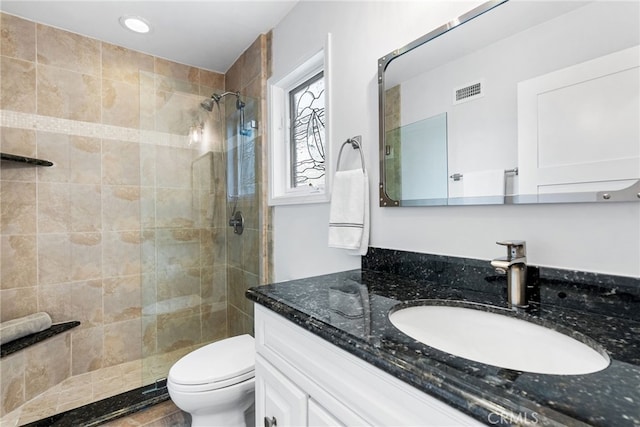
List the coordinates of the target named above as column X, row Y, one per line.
column 498, row 340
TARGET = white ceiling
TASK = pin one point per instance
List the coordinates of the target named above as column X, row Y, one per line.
column 209, row 34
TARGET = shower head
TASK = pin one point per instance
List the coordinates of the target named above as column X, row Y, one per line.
column 207, row 104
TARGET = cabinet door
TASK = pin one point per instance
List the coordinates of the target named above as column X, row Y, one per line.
column 319, row 417
column 278, row 401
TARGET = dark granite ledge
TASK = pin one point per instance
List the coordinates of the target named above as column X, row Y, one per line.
column 25, row 160
column 108, row 409
column 29, row 340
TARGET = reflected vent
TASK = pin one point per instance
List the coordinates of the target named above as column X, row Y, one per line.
column 468, row 92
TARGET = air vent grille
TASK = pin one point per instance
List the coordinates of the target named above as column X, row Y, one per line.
column 468, row 92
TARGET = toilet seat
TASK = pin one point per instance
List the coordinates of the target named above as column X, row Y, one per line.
column 215, row 366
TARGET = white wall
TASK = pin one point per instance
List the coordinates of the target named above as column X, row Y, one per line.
column 589, row 237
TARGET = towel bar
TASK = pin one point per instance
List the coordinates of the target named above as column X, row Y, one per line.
column 459, row 176
column 355, row 143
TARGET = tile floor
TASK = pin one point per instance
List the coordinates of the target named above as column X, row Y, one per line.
column 83, row 389
column 165, row 414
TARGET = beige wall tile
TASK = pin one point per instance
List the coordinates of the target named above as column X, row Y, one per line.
column 238, row 283
column 54, row 258
column 147, row 165
column 17, row 207
column 176, row 111
column 120, row 163
column 219, row 284
column 18, row 261
column 233, row 76
column 220, row 211
column 69, row 207
column 206, row 248
column 251, row 251
column 121, row 207
column 76, row 159
column 121, row 253
column 18, row 302
column 238, row 322
column 66, row 257
column 18, row 37
column 18, row 85
column 214, row 323
column 178, row 71
column 234, row 248
column 210, row 82
column 122, row 298
column 174, row 283
column 86, row 208
column 147, row 207
column 67, row 50
column 122, row 342
column 174, row 208
column 87, row 351
column 254, row 89
column 149, row 297
column 54, row 207
column 149, row 335
column 56, row 301
column 86, row 304
column 86, row 256
column 148, row 255
column 68, row 94
column 12, row 379
column 252, row 64
column 124, row 65
column 178, row 248
column 175, row 164
column 178, row 330
column 147, row 101
column 120, row 104
column 20, row 142
column 47, row 364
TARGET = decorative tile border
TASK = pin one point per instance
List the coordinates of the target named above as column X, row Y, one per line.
column 15, row 119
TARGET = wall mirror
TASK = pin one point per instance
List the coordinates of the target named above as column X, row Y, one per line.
column 515, row 102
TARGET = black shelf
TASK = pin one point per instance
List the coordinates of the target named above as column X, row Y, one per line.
column 23, row 159
column 24, row 342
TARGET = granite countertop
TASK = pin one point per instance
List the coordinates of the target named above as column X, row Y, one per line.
column 609, row 317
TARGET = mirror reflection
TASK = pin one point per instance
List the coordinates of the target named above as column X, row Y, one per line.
column 516, row 102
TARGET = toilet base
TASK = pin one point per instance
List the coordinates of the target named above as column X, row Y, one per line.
column 246, row 419
column 226, row 407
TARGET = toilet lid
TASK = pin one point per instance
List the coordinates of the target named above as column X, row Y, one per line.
column 223, row 360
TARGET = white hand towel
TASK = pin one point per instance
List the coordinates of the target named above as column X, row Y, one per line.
column 23, row 326
column 349, row 213
column 483, row 183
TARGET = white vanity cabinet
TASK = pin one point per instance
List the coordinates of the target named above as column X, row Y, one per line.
column 303, row 380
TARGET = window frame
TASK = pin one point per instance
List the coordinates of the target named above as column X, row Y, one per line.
column 281, row 190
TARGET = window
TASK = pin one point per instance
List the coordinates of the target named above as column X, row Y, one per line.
column 306, row 133
column 298, row 133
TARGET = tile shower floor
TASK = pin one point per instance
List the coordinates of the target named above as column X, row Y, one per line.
column 83, row 389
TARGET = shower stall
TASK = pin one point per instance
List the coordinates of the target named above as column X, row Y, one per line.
column 199, row 216
column 146, row 231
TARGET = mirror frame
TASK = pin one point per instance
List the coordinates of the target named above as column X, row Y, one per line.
column 629, row 194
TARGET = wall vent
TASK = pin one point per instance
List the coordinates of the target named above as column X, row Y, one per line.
column 468, row 92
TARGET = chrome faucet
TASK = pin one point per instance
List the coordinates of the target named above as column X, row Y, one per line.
column 514, row 265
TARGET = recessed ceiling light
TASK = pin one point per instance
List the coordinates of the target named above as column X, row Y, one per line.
column 135, row 24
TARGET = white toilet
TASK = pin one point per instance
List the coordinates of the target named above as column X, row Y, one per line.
column 215, row 383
